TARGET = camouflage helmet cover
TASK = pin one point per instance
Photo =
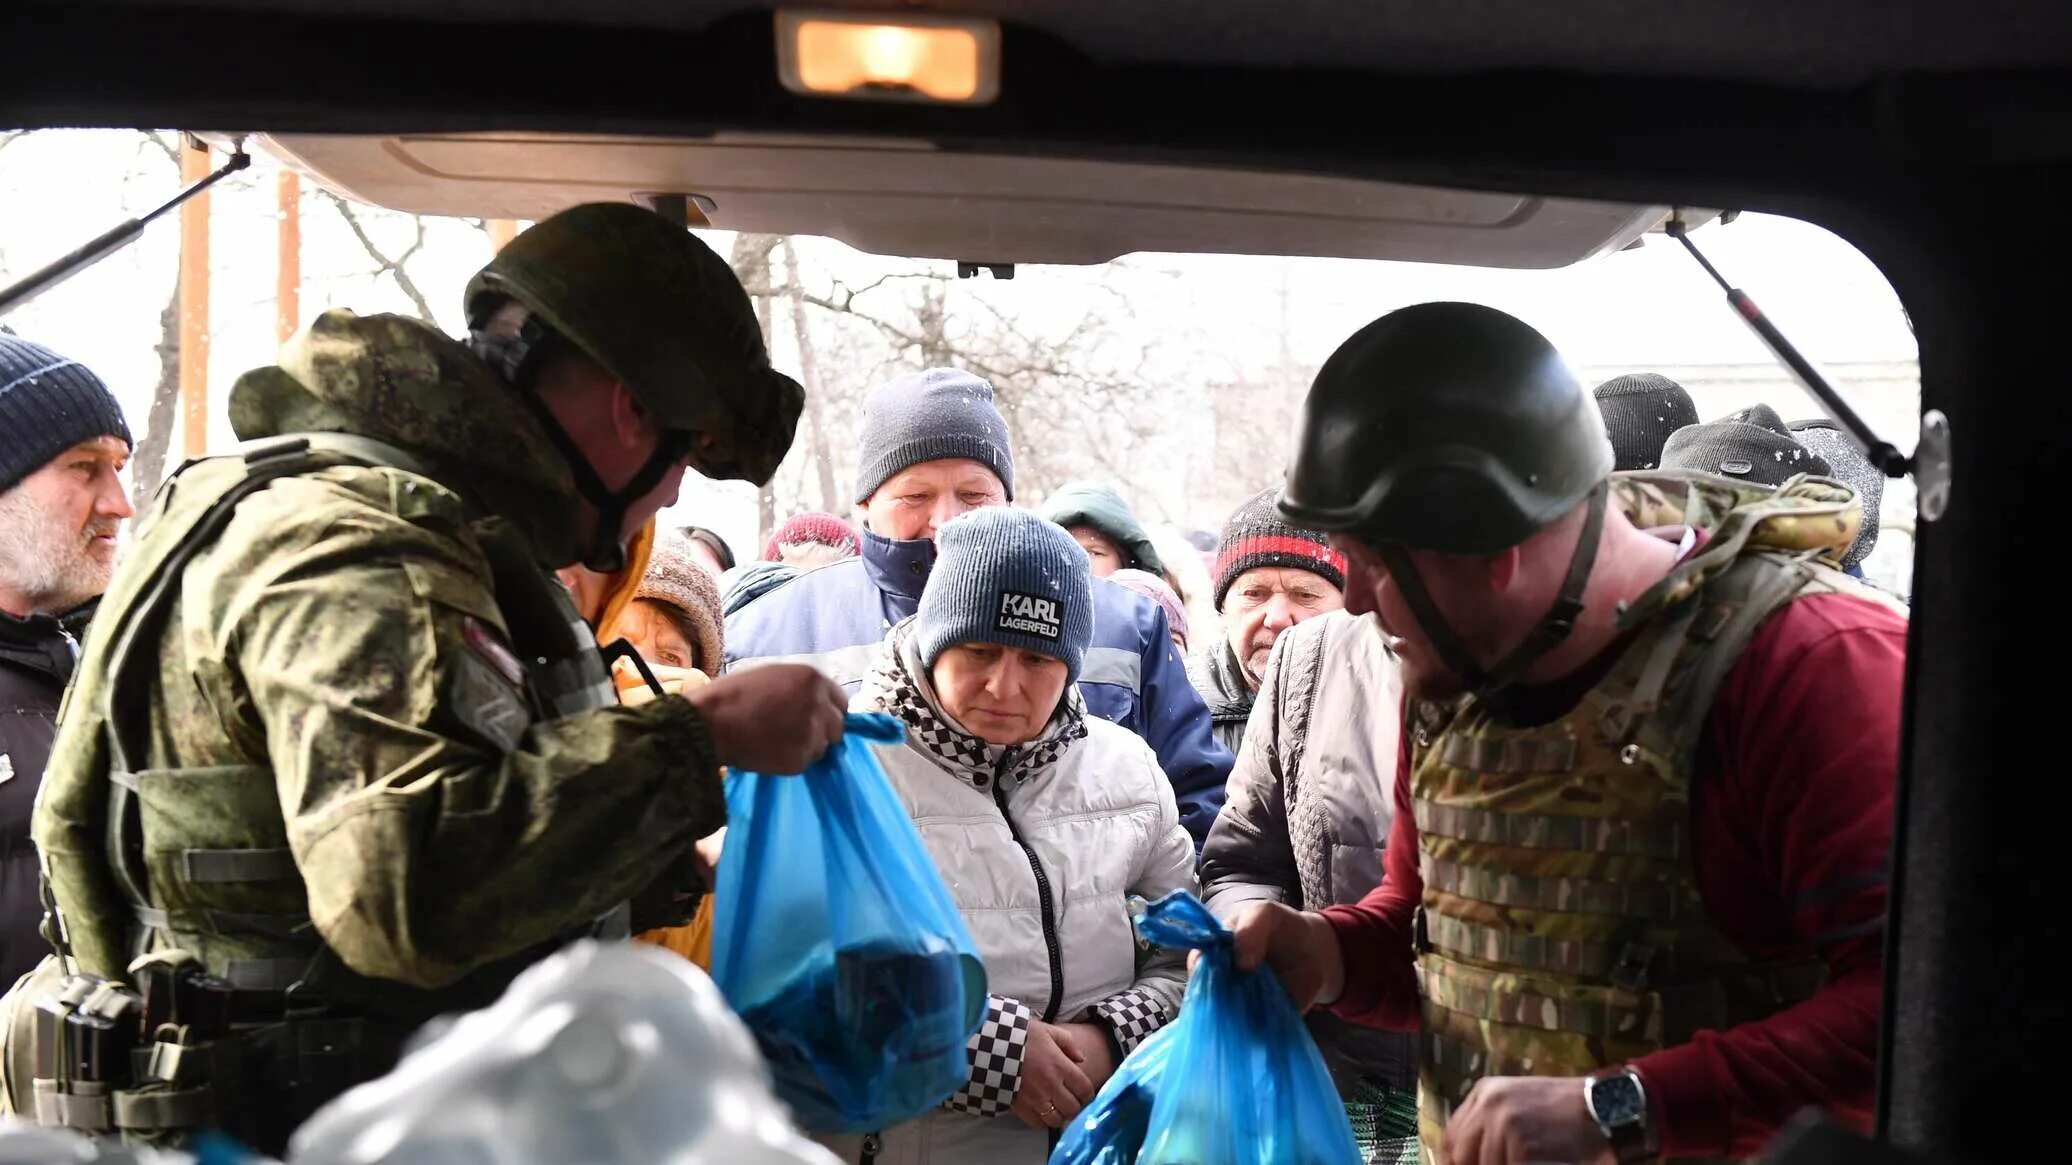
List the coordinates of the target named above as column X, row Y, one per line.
column 654, row 306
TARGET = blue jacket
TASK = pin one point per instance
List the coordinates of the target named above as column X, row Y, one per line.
column 835, row 616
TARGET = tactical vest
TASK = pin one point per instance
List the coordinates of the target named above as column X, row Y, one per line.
column 1562, row 929
column 199, row 857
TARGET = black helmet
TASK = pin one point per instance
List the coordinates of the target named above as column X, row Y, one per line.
column 1445, row 426
column 1453, row 428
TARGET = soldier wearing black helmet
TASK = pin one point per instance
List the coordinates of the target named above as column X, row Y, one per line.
column 1636, row 876
column 342, row 757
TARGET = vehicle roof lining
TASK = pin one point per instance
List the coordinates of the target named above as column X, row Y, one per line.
column 1830, row 45
column 897, row 197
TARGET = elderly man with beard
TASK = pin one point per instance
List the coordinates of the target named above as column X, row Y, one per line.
column 63, row 443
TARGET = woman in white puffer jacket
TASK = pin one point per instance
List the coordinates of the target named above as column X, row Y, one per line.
column 1044, row 821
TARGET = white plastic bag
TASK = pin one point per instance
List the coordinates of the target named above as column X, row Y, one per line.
column 605, row 1054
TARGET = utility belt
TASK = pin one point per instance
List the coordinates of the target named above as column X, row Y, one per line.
column 183, row 1051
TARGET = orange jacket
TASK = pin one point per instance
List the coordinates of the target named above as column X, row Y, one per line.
column 693, row 940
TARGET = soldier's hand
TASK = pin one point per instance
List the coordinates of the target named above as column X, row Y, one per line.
column 1520, row 1120
column 1301, row 948
column 777, row 718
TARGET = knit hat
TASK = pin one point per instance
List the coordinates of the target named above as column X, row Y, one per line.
column 47, row 405
column 1256, row 535
column 675, row 578
column 937, row 415
column 1087, row 503
column 1751, row 445
column 1640, row 410
column 1848, row 465
column 1154, row 588
column 713, row 542
column 1006, row 576
column 824, row 529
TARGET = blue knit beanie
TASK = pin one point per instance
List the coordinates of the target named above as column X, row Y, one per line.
column 1006, row 576
column 47, row 405
column 937, row 415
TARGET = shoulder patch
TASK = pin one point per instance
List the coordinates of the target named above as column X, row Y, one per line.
column 486, row 643
column 488, row 705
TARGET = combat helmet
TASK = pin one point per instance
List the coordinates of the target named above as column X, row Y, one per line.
column 658, row 310
column 1454, row 428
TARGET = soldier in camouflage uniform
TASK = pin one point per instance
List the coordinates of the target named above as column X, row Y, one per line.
column 341, row 742
column 1635, row 883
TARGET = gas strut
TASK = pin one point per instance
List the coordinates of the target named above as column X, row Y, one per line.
column 1881, row 453
column 38, row 282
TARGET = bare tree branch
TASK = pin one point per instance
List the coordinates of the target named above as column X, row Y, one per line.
column 809, row 372
column 393, row 268
column 169, row 146
column 147, row 467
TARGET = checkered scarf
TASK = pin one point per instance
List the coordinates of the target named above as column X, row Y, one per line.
column 898, row 685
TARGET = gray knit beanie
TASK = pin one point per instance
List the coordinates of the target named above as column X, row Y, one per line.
column 1006, row 576
column 47, row 405
column 937, row 415
column 1849, row 466
column 1752, row 445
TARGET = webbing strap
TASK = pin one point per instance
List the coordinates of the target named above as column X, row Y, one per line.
column 265, row 974
column 223, row 922
column 85, row 1108
column 239, row 865
column 1654, row 900
column 145, row 1111
column 1560, row 620
column 1605, row 835
column 1517, row 948
column 1664, row 1016
column 1497, row 754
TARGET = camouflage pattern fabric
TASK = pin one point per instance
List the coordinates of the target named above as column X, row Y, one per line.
column 664, row 314
column 340, row 738
column 1562, row 929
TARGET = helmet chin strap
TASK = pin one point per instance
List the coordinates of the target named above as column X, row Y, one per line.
column 1552, row 629
column 519, row 358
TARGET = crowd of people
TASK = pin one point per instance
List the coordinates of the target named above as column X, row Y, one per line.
column 1545, row 745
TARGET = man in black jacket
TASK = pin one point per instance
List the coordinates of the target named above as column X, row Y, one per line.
column 63, row 444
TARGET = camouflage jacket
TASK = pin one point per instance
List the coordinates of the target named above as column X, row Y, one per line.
column 337, row 678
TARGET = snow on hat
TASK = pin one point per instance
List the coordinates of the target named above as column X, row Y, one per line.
column 1751, row 445
column 1006, row 576
column 1641, row 410
column 938, row 415
column 1848, row 465
column 1256, row 535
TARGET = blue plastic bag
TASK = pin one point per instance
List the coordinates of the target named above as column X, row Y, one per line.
column 1248, row 1086
column 837, row 942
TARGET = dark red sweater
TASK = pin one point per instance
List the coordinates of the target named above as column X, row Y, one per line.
column 1792, row 827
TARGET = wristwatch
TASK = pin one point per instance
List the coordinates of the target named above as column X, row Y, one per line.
column 1619, row 1105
